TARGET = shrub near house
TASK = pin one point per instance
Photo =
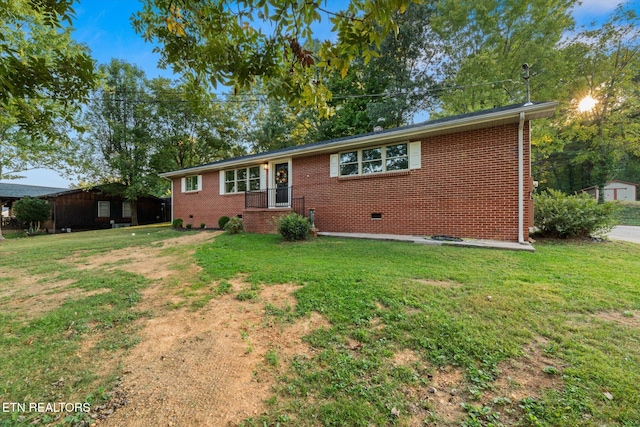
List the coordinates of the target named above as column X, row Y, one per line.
column 294, row 227
column 580, row 215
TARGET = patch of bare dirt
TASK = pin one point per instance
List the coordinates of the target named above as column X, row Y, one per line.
column 208, row 368
column 148, row 260
column 442, row 398
column 280, row 295
column 629, row 318
column 189, row 238
column 445, row 395
column 405, row 357
column 529, row 375
column 21, row 283
column 33, row 296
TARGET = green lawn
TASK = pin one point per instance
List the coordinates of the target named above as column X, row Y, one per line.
column 435, row 301
column 443, row 309
column 630, row 213
column 71, row 339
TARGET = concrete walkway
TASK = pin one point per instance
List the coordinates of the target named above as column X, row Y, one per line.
column 471, row 243
column 627, row 233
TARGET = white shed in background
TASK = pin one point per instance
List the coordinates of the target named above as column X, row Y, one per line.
column 616, row 191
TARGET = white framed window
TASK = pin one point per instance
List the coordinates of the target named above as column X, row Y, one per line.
column 104, row 209
column 241, row 180
column 387, row 158
column 191, row 183
column 126, row 209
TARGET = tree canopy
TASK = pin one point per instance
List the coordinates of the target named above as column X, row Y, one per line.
column 120, row 119
column 582, row 146
column 190, row 128
column 242, row 43
column 44, row 72
column 44, row 78
column 486, row 43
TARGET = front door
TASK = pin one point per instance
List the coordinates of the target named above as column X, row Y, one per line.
column 281, row 178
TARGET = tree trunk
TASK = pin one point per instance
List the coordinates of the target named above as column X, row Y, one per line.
column 601, row 193
column 134, row 212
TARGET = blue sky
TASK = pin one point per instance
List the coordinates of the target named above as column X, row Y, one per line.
column 105, row 27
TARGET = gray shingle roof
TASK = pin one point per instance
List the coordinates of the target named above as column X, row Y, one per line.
column 18, row 191
column 532, row 110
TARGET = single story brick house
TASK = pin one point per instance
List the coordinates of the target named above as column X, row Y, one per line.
column 465, row 176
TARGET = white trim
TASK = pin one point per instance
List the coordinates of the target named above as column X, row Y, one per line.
column 272, row 170
column 198, row 183
column 383, row 159
column 264, row 175
column 272, row 180
column 415, row 155
column 521, row 178
column 223, row 179
column 334, row 165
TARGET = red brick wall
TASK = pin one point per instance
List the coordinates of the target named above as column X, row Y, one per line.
column 467, row 187
column 262, row 220
column 205, row 206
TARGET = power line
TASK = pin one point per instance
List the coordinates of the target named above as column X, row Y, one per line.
column 265, row 98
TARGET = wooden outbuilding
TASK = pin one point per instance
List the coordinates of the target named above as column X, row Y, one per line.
column 97, row 208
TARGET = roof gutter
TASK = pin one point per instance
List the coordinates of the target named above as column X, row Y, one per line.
column 407, row 133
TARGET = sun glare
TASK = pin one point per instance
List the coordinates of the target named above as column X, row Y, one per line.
column 586, row 104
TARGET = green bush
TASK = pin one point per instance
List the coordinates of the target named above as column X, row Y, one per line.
column 580, row 215
column 293, row 227
column 189, row 226
column 32, row 211
column 177, row 223
column 234, row 225
column 203, row 225
column 223, row 221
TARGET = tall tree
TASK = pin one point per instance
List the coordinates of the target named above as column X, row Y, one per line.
column 276, row 125
column 189, row 127
column 44, row 77
column 120, row 118
column 597, row 132
column 263, row 41
column 389, row 89
column 487, row 42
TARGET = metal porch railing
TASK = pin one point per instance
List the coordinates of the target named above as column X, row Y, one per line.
column 282, row 197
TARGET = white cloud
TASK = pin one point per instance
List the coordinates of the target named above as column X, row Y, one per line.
column 593, row 9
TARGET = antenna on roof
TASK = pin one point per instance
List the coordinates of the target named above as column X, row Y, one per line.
column 525, row 67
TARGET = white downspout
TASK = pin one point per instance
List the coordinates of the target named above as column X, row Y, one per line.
column 521, row 179
column 172, row 203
